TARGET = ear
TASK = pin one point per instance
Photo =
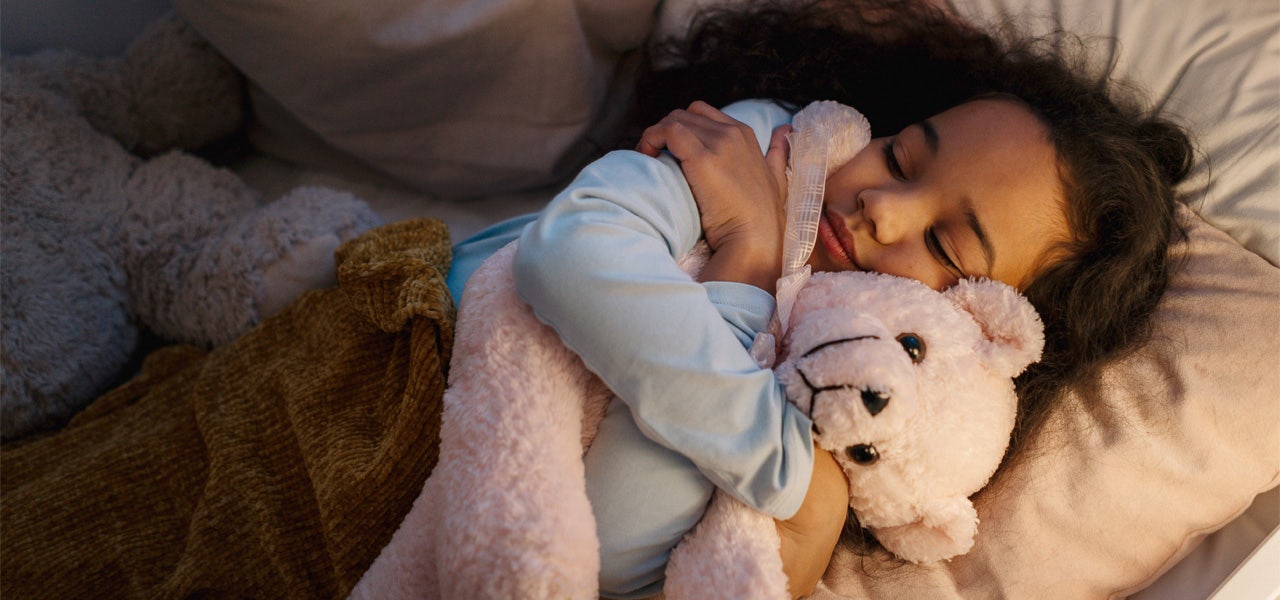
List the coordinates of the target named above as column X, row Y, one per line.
column 1012, row 328
column 845, row 130
column 945, row 529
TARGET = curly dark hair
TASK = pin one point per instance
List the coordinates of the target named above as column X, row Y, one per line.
column 900, row 61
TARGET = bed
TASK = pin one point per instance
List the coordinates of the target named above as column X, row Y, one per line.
column 1181, row 502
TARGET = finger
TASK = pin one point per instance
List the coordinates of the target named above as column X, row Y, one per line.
column 705, row 118
column 741, row 130
column 685, row 135
column 655, row 138
column 778, row 155
column 707, row 111
column 675, row 134
column 650, row 145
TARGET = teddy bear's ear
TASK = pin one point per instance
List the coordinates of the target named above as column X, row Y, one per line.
column 1012, row 328
column 844, row 130
column 945, row 529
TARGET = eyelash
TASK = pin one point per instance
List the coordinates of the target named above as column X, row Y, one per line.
column 891, row 161
column 935, row 246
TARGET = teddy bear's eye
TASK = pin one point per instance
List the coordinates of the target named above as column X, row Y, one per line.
column 913, row 345
column 864, row 454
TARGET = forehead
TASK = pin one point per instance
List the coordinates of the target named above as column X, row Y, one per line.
column 996, row 126
column 996, row 155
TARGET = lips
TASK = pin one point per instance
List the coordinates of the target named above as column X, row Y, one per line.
column 837, row 240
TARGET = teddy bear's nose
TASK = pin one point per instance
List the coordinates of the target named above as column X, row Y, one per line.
column 874, row 401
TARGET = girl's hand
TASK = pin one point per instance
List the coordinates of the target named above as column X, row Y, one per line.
column 739, row 191
column 809, row 537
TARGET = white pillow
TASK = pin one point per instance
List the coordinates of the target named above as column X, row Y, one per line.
column 462, row 98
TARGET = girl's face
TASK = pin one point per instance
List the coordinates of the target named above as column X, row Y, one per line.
column 973, row 191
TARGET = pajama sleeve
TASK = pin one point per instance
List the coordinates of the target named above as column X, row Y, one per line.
column 599, row 266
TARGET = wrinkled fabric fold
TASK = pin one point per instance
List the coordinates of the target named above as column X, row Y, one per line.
column 276, row 466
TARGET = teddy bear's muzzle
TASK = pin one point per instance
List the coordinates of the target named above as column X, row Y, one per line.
column 874, row 400
column 857, row 392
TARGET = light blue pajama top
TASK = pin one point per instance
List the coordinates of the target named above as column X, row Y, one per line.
column 599, row 266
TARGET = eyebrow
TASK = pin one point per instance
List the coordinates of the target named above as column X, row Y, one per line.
column 930, row 135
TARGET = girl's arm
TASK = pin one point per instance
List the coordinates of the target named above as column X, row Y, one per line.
column 599, row 267
column 735, row 205
column 809, row 537
column 740, row 192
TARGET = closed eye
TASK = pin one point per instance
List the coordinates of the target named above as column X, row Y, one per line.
column 891, row 161
column 936, row 249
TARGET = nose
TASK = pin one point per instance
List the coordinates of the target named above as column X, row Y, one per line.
column 874, row 401
column 893, row 214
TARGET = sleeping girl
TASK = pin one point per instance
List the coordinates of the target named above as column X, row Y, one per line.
column 997, row 158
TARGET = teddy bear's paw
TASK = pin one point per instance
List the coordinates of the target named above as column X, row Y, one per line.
column 208, row 278
column 544, row 546
column 307, row 267
column 298, row 234
column 182, row 93
column 405, row 569
column 946, row 529
column 187, row 280
column 732, row 553
column 263, row 262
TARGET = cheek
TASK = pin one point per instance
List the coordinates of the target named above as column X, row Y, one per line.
column 844, row 184
column 905, row 262
column 840, row 194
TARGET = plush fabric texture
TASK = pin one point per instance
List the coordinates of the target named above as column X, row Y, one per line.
column 459, row 98
column 102, row 243
column 273, row 467
column 949, row 408
column 505, row 513
column 512, row 388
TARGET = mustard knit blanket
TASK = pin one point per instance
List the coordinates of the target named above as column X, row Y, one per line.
column 273, row 467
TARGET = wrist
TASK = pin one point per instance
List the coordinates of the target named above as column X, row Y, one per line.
column 746, row 259
column 810, row 536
